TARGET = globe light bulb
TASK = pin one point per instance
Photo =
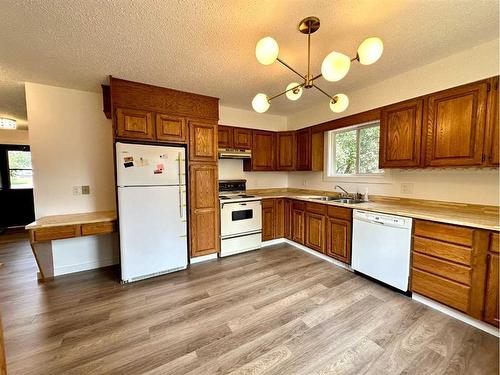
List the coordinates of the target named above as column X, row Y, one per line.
column 267, row 50
column 294, row 94
column 260, row 103
column 335, row 66
column 339, row 103
column 370, row 50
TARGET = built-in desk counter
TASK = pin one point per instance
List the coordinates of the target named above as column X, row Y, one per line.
column 57, row 227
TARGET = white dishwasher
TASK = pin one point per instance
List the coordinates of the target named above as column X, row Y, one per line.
column 381, row 247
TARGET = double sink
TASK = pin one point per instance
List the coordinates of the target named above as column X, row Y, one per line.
column 338, row 200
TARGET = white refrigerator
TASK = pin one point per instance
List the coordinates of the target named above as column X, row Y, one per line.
column 151, row 185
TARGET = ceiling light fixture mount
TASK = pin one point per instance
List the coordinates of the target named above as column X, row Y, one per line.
column 334, row 67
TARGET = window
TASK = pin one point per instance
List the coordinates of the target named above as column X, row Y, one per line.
column 354, row 151
column 19, row 169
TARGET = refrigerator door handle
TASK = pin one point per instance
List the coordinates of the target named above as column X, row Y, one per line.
column 181, row 211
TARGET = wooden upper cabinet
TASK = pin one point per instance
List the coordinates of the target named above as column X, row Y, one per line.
column 204, row 209
column 202, row 141
column 492, row 134
column 285, row 151
column 456, row 120
column 242, row 138
column 134, row 124
column 303, row 162
column 263, row 152
column 171, row 128
column 401, row 134
column 225, row 139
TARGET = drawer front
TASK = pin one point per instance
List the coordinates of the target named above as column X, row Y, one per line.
column 98, row 228
column 267, row 203
column 452, row 271
column 316, row 208
column 443, row 250
column 442, row 290
column 340, row 213
column 297, row 205
column 494, row 242
column 444, row 232
column 56, row 233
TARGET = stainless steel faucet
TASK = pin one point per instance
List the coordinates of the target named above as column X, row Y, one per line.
column 341, row 188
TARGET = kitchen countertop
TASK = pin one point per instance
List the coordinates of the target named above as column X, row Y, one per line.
column 72, row 219
column 476, row 216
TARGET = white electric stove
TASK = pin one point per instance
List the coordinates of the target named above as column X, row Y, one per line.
column 240, row 218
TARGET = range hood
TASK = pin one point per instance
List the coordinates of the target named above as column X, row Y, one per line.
column 232, row 153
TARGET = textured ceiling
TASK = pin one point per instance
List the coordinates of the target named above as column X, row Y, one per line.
column 207, row 46
column 13, row 102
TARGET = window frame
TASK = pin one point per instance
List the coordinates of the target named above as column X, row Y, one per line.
column 5, row 183
column 330, row 162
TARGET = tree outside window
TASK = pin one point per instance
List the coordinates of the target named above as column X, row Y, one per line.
column 354, row 151
column 20, row 170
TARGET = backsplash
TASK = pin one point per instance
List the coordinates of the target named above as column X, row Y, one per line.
column 232, row 169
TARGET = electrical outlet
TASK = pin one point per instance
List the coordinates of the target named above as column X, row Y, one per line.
column 77, row 190
column 407, row 188
column 85, row 189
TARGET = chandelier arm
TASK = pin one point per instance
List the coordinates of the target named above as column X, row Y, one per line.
column 284, row 92
column 355, row 58
column 324, row 92
column 289, row 67
column 316, row 77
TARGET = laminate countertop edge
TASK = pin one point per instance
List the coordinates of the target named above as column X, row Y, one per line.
column 72, row 219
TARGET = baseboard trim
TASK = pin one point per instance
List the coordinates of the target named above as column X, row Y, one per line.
column 203, row 258
column 307, row 250
column 64, row 270
column 457, row 315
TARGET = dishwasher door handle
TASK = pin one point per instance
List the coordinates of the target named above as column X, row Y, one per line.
column 377, row 222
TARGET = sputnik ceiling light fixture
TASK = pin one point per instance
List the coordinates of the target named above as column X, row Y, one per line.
column 334, row 67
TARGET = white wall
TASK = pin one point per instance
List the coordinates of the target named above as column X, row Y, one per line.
column 233, row 169
column 470, row 65
column 456, row 185
column 71, row 145
column 14, row 137
column 251, row 119
column 461, row 185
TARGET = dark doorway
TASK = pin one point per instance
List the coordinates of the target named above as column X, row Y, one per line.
column 16, row 186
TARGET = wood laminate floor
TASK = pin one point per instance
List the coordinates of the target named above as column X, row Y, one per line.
column 273, row 311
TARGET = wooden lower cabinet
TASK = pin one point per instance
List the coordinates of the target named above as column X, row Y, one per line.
column 491, row 299
column 315, row 231
column 457, row 267
column 204, row 209
column 268, row 219
column 491, row 296
column 279, row 218
column 298, row 228
column 338, row 234
column 287, row 219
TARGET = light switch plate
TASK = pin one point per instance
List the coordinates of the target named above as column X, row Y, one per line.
column 407, row 188
column 85, row 189
column 77, row 190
